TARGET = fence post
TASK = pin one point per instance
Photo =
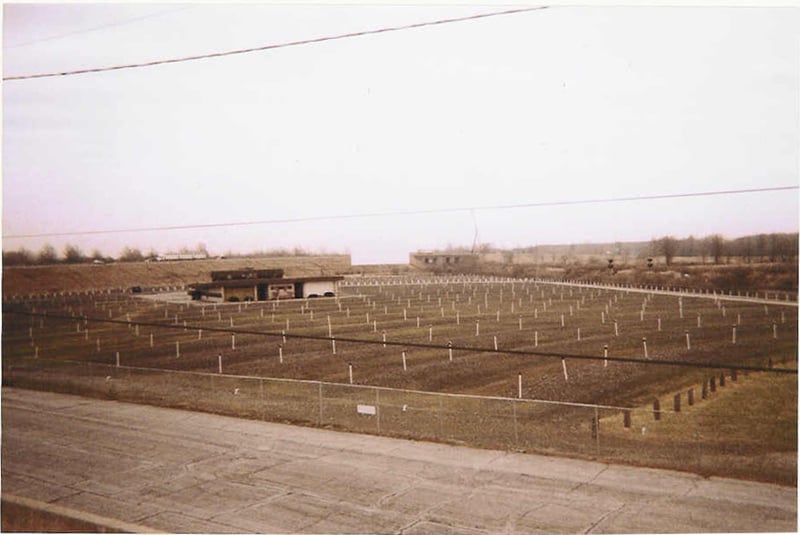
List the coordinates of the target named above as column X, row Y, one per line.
column 676, row 402
column 690, row 397
column 378, row 410
column 441, row 410
column 656, row 410
column 626, row 418
column 261, row 396
column 516, row 427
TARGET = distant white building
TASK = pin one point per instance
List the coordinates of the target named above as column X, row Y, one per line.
column 172, row 257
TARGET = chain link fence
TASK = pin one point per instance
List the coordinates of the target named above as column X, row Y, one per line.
column 617, row 434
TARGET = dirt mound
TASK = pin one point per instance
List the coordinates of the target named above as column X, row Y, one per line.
column 82, row 277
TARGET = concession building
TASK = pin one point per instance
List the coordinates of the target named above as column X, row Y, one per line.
column 262, row 285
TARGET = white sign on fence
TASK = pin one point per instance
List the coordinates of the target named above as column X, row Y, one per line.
column 366, row 409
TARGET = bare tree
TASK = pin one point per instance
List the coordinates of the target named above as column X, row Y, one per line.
column 716, row 247
column 21, row 257
column 47, row 255
column 131, row 255
column 667, row 246
column 73, row 254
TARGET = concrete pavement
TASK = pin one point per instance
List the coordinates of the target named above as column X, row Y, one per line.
column 182, row 471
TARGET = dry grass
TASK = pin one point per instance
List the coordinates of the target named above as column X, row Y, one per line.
column 711, row 438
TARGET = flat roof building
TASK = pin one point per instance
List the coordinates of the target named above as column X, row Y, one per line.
column 263, row 285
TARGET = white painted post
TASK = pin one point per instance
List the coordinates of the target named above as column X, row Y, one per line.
column 177, row 349
column 405, row 315
column 233, row 341
column 151, row 339
column 605, row 356
column 117, row 359
column 733, row 334
column 430, row 333
column 384, row 337
column 450, row 350
column 477, row 327
column 283, row 336
column 350, row 372
column 535, row 338
column 644, row 346
column 405, row 368
column 417, row 321
column 562, row 321
column 520, row 323
column 774, row 330
column 564, row 367
column 219, row 359
column 280, row 353
column 231, row 321
column 616, row 328
column 602, row 317
column 458, row 318
column 519, row 385
column 579, row 334
column 688, row 341
column 374, row 326
column 495, row 342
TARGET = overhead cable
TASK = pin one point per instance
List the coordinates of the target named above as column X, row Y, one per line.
column 403, row 213
column 273, row 46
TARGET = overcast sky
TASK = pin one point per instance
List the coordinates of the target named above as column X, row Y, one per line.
column 559, row 104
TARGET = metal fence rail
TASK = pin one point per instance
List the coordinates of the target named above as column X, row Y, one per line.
column 576, row 429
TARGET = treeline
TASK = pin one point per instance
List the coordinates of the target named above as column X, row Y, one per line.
column 72, row 254
column 775, row 247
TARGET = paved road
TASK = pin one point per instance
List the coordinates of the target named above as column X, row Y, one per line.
column 191, row 472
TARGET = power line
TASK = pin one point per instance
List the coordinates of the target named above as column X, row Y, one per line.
column 274, row 46
column 516, row 352
column 405, row 213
